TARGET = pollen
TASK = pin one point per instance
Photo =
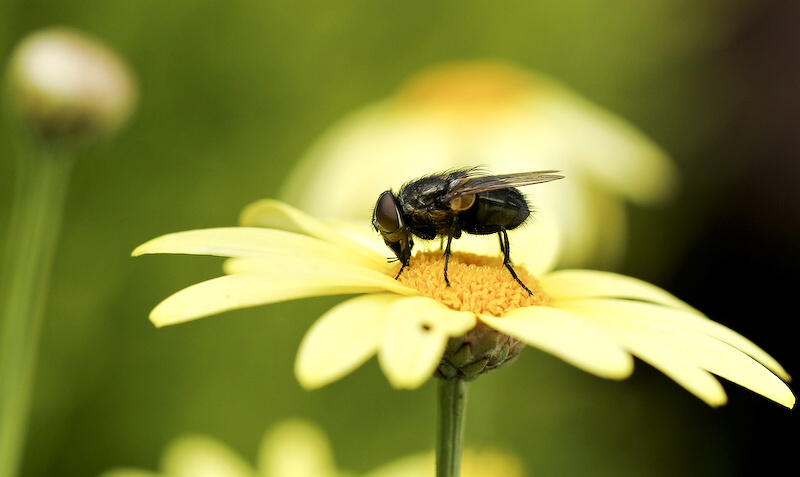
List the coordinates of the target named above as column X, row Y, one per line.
column 480, row 284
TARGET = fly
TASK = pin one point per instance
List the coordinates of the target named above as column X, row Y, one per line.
column 447, row 204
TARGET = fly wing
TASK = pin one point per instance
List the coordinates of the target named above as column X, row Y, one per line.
column 476, row 184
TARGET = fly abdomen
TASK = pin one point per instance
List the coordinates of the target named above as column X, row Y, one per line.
column 495, row 210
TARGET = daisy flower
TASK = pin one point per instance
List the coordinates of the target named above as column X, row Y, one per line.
column 508, row 119
column 418, row 326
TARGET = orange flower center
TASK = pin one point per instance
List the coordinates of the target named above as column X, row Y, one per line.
column 480, row 284
column 469, row 90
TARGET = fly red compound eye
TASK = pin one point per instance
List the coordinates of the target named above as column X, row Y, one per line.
column 386, row 217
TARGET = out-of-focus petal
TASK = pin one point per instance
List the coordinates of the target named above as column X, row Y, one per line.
column 483, row 463
column 536, row 246
column 200, row 456
column 508, row 119
column 616, row 154
column 130, row 473
column 296, row 448
column 417, row 465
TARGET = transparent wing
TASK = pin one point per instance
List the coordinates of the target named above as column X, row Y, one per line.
column 470, row 184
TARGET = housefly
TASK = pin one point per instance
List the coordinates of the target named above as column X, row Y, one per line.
column 447, row 204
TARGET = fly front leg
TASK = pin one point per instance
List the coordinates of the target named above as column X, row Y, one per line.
column 402, row 267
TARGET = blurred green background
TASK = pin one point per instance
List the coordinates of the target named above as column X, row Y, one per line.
column 232, row 93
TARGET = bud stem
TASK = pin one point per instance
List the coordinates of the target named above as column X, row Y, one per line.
column 43, row 175
column 452, row 395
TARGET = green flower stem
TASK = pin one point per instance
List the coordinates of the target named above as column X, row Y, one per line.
column 42, row 180
column 450, row 431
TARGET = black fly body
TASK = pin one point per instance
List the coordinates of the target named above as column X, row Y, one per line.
column 448, row 203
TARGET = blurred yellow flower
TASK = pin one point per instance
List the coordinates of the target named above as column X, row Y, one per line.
column 593, row 320
column 298, row 448
column 507, row 119
column 293, row 448
column 486, row 463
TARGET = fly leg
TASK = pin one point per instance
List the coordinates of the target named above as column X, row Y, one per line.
column 453, row 228
column 402, row 267
column 404, row 256
column 447, row 258
column 506, row 249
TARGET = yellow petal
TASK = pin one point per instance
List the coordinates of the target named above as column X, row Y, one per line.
column 243, row 290
column 199, row 456
column 416, row 332
column 300, row 262
column 342, row 339
column 279, row 215
column 728, row 362
column 416, row 465
column 567, row 336
column 224, row 242
column 130, row 473
column 654, row 337
column 537, row 245
column 617, row 155
column 563, row 285
column 676, row 366
column 253, row 241
column 387, row 153
column 508, row 120
column 275, row 214
column 305, row 269
column 680, row 369
column 646, row 314
column 578, row 208
column 362, row 233
column 296, row 448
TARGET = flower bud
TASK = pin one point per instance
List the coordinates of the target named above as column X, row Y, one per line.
column 476, row 352
column 64, row 87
